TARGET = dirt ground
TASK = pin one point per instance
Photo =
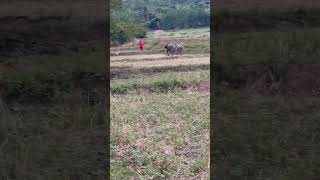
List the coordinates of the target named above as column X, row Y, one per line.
column 161, row 62
column 127, row 72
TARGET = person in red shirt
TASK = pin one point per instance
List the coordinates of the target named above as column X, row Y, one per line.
column 141, row 45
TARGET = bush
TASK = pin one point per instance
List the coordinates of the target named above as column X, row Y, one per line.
column 121, row 89
column 166, row 86
column 185, row 18
column 123, row 28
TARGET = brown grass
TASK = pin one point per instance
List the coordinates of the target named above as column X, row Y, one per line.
column 152, row 57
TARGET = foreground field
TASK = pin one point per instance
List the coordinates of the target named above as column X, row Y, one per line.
column 160, row 135
column 159, row 113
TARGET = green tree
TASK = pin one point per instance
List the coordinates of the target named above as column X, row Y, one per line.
column 122, row 26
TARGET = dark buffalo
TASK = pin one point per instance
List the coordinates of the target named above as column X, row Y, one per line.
column 170, row 49
column 174, row 49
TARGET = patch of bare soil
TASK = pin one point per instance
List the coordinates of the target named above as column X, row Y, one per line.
column 123, row 48
column 126, row 53
column 158, row 31
column 163, row 62
column 127, row 72
column 147, row 59
column 152, row 57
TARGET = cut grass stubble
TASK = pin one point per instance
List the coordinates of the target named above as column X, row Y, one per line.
column 160, row 135
column 160, row 63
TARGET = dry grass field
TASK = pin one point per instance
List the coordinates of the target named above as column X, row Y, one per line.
column 160, row 110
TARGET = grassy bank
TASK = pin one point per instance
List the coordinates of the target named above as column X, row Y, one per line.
column 164, row 82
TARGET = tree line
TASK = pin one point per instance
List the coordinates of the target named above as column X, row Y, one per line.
column 132, row 18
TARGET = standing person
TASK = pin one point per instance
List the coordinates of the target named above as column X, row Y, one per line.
column 141, row 45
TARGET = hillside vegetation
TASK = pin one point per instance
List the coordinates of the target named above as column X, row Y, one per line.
column 131, row 19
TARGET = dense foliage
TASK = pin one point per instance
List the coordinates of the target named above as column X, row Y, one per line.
column 123, row 27
column 130, row 18
column 170, row 14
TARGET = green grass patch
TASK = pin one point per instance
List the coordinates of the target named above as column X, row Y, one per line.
column 192, row 46
column 120, row 170
column 158, row 86
column 179, row 76
column 163, row 83
column 196, row 46
column 121, row 89
column 166, row 86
